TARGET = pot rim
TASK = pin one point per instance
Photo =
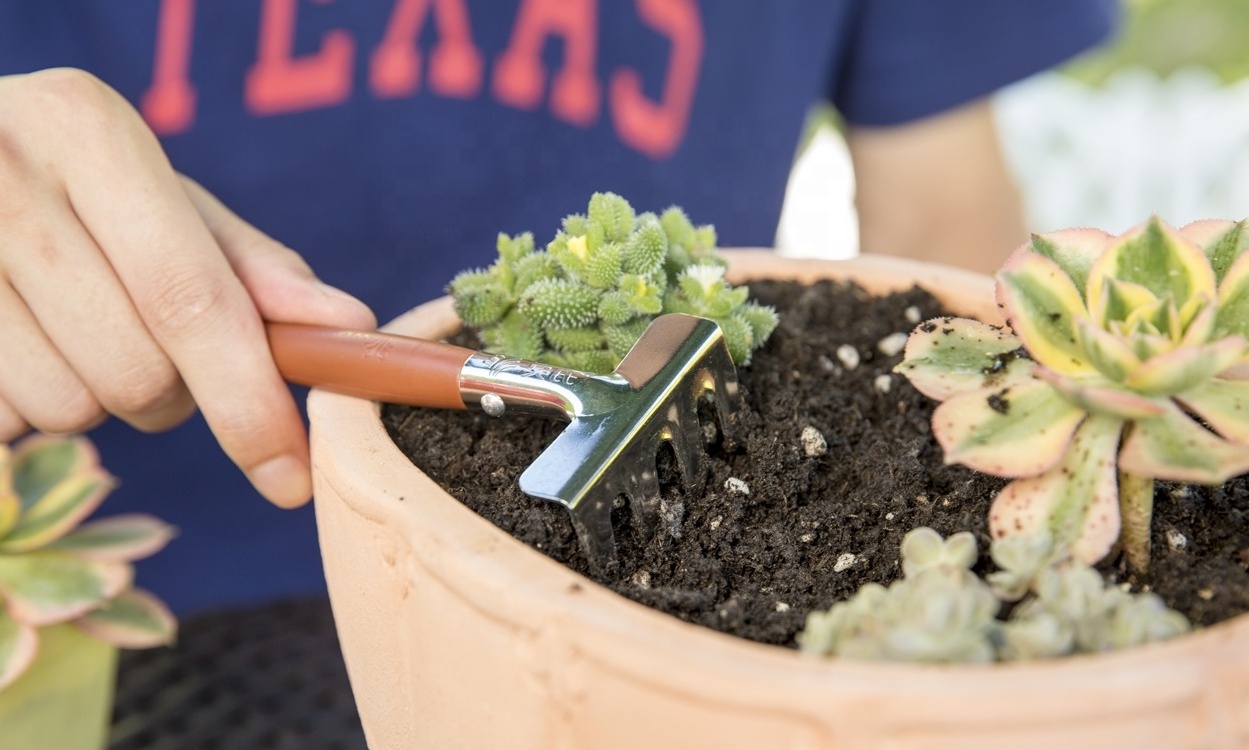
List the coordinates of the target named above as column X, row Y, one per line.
column 498, row 575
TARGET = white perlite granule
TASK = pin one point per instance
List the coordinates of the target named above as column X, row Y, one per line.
column 1176, row 540
column 883, row 383
column 848, row 355
column 892, row 344
column 813, row 442
column 736, row 486
column 912, row 314
column 844, row 562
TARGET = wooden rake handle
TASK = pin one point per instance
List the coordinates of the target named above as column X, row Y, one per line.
column 370, row 364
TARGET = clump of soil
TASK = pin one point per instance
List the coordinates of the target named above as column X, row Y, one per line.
column 782, row 528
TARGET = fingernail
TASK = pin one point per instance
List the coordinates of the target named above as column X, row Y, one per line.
column 285, row 481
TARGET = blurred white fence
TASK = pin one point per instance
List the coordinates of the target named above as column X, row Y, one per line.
column 1109, row 157
column 1139, row 145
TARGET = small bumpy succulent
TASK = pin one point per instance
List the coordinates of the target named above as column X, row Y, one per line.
column 1120, row 366
column 585, row 300
column 941, row 612
column 53, row 570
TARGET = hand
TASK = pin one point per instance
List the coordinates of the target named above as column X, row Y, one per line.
column 128, row 290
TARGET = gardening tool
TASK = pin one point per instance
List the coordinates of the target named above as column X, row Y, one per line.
column 617, row 422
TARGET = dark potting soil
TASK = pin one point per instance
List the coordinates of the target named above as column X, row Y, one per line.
column 800, row 532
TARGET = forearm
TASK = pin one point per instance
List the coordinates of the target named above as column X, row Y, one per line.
column 937, row 190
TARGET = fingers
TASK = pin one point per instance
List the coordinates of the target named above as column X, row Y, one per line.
column 12, row 425
column 86, row 318
column 151, row 282
column 56, row 401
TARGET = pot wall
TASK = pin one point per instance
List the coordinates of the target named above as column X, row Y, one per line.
column 458, row 636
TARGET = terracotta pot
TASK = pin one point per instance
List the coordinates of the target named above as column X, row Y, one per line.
column 64, row 698
column 458, row 636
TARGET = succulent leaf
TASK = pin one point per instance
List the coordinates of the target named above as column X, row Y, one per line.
column 132, row 619
column 1173, row 446
column 61, row 507
column 1072, row 250
column 1099, row 396
column 1232, row 318
column 613, row 213
column 581, row 339
column 924, row 549
column 1183, row 369
column 1043, row 306
column 1222, row 404
column 1110, row 354
column 44, row 588
column 19, row 643
column 1014, row 432
column 953, row 355
column 42, row 461
column 646, row 250
column 1157, row 258
column 602, row 268
column 761, row 319
column 1075, row 503
column 515, row 335
column 559, row 303
column 122, row 537
column 1221, row 241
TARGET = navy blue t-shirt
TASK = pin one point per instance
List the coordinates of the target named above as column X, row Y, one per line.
column 389, row 142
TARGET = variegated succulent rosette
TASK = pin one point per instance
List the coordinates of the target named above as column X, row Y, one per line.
column 1120, row 366
column 54, row 570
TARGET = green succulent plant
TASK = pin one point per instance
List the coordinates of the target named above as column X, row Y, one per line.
column 1122, row 364
column 54, row 570
column 585, row 300
column 941, row 612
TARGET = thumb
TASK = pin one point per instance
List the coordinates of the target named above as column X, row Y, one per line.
column 281, row 284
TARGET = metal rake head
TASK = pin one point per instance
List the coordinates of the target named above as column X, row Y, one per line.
column 620, row 421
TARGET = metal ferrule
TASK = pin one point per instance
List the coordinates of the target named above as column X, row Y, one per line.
column 525, row 387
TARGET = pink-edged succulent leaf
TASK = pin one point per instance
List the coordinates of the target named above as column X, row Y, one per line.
column 125, row 537
column 1042, row 305
column 10, row 503
column 1015, row 432
column 1109, row 353
column 1173, row 446
column 1222, row 404
column 41, row 461
column 133, row 619
column 1099, row 396
column 1121, row 301
column 62, row 507
column 1073, row 250
column 1076, row 501
column 1221, row 241
column 1232, row 318
column 1198, row 321
column 1181, row 369
column 946, row 356
column 1158, row 258
column 19, row 643
column 44, row 588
